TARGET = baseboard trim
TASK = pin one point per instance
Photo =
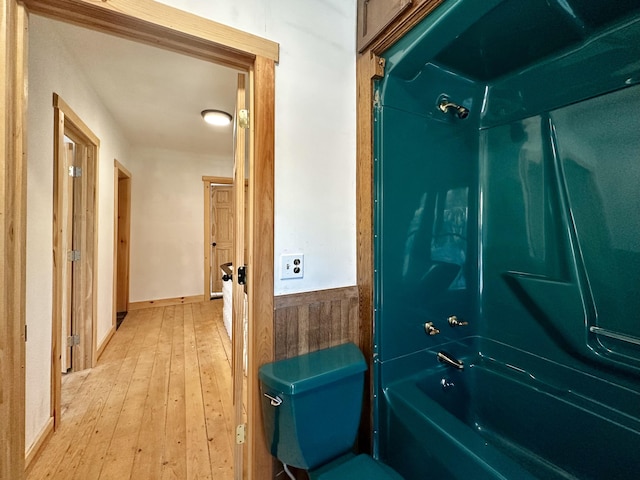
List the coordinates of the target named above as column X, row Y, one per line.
column 165, row 302
column 41, row 440
column 105, row 342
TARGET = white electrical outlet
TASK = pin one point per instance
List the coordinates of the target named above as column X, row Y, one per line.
column 291, row 266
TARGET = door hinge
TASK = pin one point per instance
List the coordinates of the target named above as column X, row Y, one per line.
column 242, row 275
column 240, row 433
column 243, row 118
column 73, row 255
column 73, row 340
column 25, row 332
column 75, row 171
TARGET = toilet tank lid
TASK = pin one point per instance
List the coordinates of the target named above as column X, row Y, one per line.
column 312, row 370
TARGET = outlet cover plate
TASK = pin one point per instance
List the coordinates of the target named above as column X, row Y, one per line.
column 291, row 266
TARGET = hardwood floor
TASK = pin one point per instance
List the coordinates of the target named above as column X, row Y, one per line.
column 157, row 406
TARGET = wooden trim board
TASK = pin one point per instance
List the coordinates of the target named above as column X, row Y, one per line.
column 105, row 342
column 261, row 254
column 162, row 25
column 307, row 298
column 13, row 104
column 220, row 180
column 364, row 222
column 164, row 302
column 41, row 440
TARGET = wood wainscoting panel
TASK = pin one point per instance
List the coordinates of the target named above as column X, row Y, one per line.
column 310, row 321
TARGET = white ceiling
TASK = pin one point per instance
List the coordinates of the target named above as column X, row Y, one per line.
column 154, row 94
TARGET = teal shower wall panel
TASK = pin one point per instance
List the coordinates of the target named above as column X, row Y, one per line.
column 572, row 218
column 599, row 146
column 521, row 232
column 426, row 229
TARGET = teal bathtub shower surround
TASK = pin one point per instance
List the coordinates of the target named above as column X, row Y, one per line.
column 507, row 165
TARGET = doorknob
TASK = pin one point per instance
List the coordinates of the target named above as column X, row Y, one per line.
column 213, row 244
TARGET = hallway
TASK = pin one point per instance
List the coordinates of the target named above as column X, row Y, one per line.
column 158, row 405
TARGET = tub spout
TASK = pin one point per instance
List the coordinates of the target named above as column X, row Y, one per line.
column 450, row 360
column 445, row 106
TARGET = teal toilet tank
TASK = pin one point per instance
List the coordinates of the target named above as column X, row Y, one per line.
column 311, row 405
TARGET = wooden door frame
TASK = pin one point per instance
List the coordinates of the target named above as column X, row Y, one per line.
column 13, row 225
column 207, row 181
column 66, row 120
column 119, row 172
column 167, row 27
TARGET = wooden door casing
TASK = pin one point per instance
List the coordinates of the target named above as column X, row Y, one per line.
column 180, row 31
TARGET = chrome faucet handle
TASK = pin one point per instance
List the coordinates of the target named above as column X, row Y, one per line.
column 430, row 329
column 456, row 322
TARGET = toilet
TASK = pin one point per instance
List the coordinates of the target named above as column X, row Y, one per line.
column 311, row 408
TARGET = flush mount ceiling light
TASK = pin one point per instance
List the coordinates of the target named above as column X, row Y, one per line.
column 218, row 118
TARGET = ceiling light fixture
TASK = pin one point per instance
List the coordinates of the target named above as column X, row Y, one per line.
column 218, row 118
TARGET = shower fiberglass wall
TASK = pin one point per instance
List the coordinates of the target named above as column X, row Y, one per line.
column 521, row 218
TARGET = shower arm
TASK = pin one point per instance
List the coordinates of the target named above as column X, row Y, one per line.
column 445, row 106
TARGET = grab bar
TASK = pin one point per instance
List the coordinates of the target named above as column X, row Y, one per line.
column 618, row 336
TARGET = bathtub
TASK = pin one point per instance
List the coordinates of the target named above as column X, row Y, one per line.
column 509, row 420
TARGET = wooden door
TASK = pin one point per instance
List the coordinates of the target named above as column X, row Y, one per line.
column 122, row 237
column 239, row 289
column 67, row 271
column 79, row 313
column 75, row 313
column 221, row 233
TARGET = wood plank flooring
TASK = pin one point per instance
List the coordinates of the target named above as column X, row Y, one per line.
column 157, row 406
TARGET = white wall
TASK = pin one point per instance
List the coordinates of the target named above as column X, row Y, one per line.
column 167, row 221
column 315, row 129
column 51, row 69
